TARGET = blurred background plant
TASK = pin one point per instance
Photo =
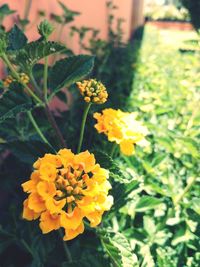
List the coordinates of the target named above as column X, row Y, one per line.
column 166, row 11
column 193, row 7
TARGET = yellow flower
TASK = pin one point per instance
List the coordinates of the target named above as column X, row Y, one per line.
column 9, row 79
column 64, row 189
column 122, row 128
column 24, row 78
column 93, row 91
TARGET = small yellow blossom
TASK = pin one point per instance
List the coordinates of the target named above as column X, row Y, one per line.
column 24, row 78
column 122, row 128
column 9, row 79
column 64, row 189
column 93, row 91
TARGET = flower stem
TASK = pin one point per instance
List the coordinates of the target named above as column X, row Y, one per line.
column 16, row 75
column 114, row 146
column 34, row 82
column 45, row 88
column 27, row 11
column 66, row 249
column 54, row 126
column 185, row 191
column 35, row 125
column 85, row 113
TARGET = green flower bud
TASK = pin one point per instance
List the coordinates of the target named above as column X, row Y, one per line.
column 45, row 29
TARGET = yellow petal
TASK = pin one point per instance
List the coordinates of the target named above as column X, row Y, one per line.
column 127, row 148
column 29, row 214
column 30, row 186
column 53, row 159
column 46, row 189
column 49, row 222
column 66, row 155
column 86, row 159
column 36, row 203
column 55, row 206
column 86, row 204
column 94, row 218
column 48, row 172
column 71, row 234
column 71, row 220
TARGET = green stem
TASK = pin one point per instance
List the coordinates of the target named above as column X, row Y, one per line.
column 66, row 249
column 185, row 191
column 16, row 75
column 85, row 113
column 35, row 125
column 34, row 82
column 28, row 248
column 26, row 11
column 108, row 252
column 114, row 146
column 27, row 8
column 45, row 78
column 54, row 125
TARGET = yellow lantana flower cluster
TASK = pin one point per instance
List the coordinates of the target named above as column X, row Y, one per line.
column 9, row 79
column 64, row 189
column 122, row 128
column 93, row 91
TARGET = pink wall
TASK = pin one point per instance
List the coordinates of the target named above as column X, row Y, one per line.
column 93, row 14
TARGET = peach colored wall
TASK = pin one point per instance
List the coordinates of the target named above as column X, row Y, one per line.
column 93, row 14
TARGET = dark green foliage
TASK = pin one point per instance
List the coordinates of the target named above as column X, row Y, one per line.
column 13, row 101
column 118, row 248
column 67, row 16
column 67, row 71
column 193, row 7
column 31, row 53
column 16, row 39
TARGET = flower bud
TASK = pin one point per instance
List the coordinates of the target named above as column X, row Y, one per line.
column 93, row 91
column 45, row 29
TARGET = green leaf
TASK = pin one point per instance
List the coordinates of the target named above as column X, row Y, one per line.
column 5, row 11
column 16, row 38
column 118, row 248
column 122, row 185
column 103, row 159
column 28, row 151
column 147, row 203
column 158, row 159
column 31, row 53
column 190, row 145
column 120, row 192
column 68, row 14
column 166, row 142
column 182, row 235
column 68, row 71
column 147, row 257
column 13, row 102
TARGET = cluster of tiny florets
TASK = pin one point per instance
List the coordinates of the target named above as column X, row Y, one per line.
column 64, row 189
column 93, row 91
column 122, row 128
column 9, row 79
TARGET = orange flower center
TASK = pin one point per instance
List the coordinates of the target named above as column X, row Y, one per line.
column 70, row 184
